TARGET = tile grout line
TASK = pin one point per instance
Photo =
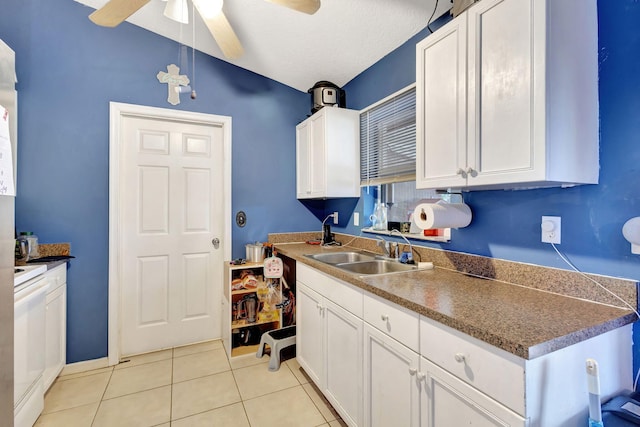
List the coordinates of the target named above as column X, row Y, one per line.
column 290, row 369
column 332, row 409
column 173, row 352
column 238, row 388
column 95, row 415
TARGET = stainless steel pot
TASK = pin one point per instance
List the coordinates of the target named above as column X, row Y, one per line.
column 255, row 252
column 325, row 93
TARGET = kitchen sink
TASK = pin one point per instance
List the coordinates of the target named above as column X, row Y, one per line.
column 342, row 257
column 377, row 266
column 362, row 263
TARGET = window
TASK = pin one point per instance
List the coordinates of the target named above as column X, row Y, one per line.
column 388, row 139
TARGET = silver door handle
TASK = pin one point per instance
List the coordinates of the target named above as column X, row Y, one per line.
column 215, row 242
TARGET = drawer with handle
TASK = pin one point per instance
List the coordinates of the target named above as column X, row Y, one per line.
column 491, row 370
column 344, row 294
column 393, row 320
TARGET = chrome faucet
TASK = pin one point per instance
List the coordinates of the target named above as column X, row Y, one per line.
column 384, row 245
column 406, row 240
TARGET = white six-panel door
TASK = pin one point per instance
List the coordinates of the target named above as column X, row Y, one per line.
column 171, row 205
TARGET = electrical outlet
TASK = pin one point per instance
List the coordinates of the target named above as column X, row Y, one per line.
column 356, row 219
column 335, row 217
column 551, row 229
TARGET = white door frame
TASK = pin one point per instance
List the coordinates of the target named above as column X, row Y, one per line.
column 117, row 111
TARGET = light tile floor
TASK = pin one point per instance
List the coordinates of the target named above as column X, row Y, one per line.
column 188, row 386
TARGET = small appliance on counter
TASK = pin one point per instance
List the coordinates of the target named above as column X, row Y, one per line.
column 326, row 94
column 327, row 235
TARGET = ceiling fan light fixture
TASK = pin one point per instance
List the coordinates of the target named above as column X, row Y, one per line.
column 208, row 8
column 177, row 10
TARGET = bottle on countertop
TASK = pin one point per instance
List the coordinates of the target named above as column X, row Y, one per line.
column 32, row 244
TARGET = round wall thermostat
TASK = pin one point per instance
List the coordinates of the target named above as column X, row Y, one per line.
column 241, row 219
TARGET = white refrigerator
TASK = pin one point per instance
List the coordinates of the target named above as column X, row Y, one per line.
column 8, row 99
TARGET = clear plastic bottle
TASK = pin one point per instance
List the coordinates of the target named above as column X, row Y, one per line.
column 379, row 216
column 32, row 244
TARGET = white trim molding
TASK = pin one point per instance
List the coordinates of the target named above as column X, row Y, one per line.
column 116, row 113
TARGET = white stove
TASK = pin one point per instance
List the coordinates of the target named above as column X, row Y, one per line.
column 26, row 272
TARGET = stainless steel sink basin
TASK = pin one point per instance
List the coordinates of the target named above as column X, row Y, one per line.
column 376, row 267
column 361, row 263
column 342, row 257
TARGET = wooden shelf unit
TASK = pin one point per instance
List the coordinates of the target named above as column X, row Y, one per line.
column 241, row 337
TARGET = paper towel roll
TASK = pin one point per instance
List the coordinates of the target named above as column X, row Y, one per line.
column 442, row 215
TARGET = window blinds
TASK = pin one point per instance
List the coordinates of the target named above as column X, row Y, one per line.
column 388, row 140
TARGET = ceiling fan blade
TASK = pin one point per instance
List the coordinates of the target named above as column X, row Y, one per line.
column 116, row 11
column 224, row 35
column 305, row 6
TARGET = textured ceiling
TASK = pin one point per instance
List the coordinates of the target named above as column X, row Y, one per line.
column 342, row 39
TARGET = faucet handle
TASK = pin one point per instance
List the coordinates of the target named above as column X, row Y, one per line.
column 383, row 244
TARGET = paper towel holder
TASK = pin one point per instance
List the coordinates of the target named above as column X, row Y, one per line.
column 631, row 232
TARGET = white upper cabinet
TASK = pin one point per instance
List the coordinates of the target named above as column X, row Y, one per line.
column 328, row 155
column 507, row 97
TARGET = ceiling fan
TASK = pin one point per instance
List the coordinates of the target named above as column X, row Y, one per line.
column 116, row 11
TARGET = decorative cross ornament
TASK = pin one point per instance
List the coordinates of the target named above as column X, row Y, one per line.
column 174, row 80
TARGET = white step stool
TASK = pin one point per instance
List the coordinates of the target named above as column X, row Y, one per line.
column 277, row 340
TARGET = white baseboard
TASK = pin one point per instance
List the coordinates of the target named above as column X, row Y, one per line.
column 84, row 366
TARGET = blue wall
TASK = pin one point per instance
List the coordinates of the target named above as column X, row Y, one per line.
column 69, row 70
column 506, row 224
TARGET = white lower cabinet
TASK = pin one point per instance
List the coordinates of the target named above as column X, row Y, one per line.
column 343, row 352
column 380, row 364
column 490, row 386
column 402, row 385
column 391, row 385
column 448, row 401
column 329, row 340
column 56, row 324
column 310, row 333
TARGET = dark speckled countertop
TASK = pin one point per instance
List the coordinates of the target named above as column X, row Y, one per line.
column 524, row 321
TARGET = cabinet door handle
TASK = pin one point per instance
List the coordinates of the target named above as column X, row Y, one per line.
column 460, row 171
column 384, row 318
column 420, row 376
column 461, row 358
column 412, row 371
column 470, row 171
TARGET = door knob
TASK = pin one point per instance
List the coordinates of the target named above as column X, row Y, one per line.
column 215, row 242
